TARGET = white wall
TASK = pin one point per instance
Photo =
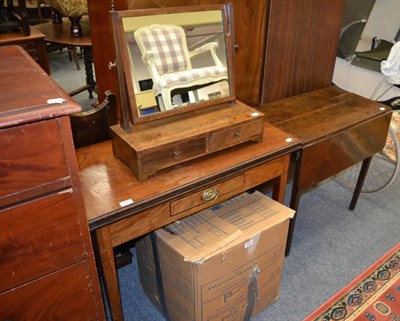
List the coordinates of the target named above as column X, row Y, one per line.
column 383, row 23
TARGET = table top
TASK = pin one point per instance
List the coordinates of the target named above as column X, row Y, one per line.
column 60, row 33
column 25, row 90
column 18, row 36
column 106, row 181
column 322, row 113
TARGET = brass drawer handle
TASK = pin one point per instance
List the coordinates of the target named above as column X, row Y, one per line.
column 209, row 195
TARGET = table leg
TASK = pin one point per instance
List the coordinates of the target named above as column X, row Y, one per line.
column 360, row 182
column 24, row 17
column 87, row 58
column 110, row 273
column 90, row 82
column 279, row 188
column 295, row 198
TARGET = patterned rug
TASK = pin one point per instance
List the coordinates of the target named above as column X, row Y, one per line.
column 395, row 124
column 372, row 296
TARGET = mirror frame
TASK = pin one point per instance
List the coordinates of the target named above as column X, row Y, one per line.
column 129, row 113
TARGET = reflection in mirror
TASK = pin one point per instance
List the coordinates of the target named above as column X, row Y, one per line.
column 176, row 59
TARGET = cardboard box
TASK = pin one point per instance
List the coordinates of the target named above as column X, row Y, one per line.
column 223, row 263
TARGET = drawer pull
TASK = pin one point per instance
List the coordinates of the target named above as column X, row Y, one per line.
column 237, row 134
column 209, row 195
column 175, row 155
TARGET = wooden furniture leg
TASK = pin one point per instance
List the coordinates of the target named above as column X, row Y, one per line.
column 279, row 188
column 360, row 182
column 87, row 57
column 74, row 55
column 110, row 273
column 24, row 17
column 295, row 197
column 90, row 82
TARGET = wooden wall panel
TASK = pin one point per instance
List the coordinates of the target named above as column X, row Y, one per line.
column 250, row 34
column 102, row 44
column 303, row 36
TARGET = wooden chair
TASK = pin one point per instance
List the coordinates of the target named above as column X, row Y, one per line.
column 11, row 19
column 72, row 52
column 92, row 126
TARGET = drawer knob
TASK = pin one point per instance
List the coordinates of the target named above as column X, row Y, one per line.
column 175, row 155
column 112, row 65
column 209, row 195
column 237, row 134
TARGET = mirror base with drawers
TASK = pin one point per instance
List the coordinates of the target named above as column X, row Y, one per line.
column 149, row 147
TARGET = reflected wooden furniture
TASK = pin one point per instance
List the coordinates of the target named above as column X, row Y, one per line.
column 60, row 33
column 47, row 266
column 337, row 129
column 120, row 209
column 284, row 57
column 33, row 44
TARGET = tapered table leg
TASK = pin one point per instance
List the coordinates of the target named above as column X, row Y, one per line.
column 295, row 198
column 360, row 182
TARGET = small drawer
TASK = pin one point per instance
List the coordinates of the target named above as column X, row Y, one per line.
column 38, row 237
column 208, row 196
column 171, row 155
column 32, row 161
column 64, row 295
column 139, row 224
column 239, row 134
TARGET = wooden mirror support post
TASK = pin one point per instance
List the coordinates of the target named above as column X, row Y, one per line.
column 204, row 116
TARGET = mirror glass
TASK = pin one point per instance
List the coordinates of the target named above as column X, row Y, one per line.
column 175, row 61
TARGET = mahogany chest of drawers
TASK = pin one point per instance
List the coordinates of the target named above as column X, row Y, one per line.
column 47, row 266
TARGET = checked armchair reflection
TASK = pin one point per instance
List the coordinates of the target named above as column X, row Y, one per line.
column 167, row 57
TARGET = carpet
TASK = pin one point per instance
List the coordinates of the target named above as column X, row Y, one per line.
column 68, row 77
column 395, row 124
column 372, row 296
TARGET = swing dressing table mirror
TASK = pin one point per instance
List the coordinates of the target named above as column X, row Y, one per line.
column 176, row 76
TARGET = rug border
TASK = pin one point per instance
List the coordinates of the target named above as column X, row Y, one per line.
column 347, row 287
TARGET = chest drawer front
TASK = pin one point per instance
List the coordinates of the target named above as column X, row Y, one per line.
column 66, row 295
column 175, row 154
column 239, row 134
column 38, row 237
column 208, row 196
column 32, row 161
column 31, row 48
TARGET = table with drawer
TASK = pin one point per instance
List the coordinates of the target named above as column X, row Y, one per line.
column 121, row 209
